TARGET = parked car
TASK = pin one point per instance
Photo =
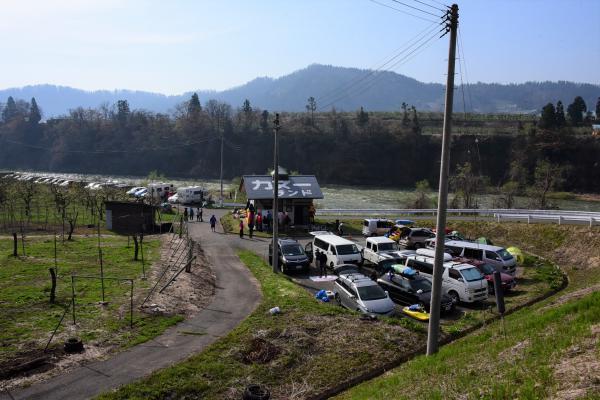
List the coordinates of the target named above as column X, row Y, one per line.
column 508, row 281
column 132, row 190
column 409, row 290
column 173, row 199
column 337, row 249
column 376, row 247
column 460, row 281
column 411, row 237
column 356, row 291
column 495, row 255
column 376, row 226
column 291, row 256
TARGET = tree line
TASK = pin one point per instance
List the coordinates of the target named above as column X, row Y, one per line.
column 362, row 147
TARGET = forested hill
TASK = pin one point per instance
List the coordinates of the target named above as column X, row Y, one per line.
column 345, row 88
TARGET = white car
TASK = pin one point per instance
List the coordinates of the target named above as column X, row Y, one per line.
column 135, row 189
column 173, row 199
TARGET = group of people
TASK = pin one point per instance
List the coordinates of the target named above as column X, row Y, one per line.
column 188, row 214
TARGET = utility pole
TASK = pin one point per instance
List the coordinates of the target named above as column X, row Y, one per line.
column 275, row 252
column 434, row 317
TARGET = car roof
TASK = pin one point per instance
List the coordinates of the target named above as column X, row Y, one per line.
column 288, row 241
column 334, row 239
column 380, row 239
column 472, row 245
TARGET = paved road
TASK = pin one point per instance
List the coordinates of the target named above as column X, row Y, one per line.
column 237, row 295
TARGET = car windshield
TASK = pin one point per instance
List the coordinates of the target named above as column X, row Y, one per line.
column 292, row 250
column 487, row 269
column 347, row 249
column 388, row 246
column 421, row 284
column 505, row 255
column 471, row 274
column 373, row 292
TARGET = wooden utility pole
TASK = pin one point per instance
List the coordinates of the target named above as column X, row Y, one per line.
column 275, row 252
column 221, row 175
column 434, row 317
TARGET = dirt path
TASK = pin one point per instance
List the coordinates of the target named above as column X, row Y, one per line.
column 237, row 294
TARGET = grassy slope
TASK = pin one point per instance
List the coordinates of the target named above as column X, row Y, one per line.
column 312, row 345
column 27, row 316
column 484, row 365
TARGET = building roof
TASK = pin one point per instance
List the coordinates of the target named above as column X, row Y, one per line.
column 258, row 187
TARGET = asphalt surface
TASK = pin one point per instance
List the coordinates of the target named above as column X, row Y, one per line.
column 237, row 294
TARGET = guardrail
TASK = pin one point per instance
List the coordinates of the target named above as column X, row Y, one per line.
column 507, row 215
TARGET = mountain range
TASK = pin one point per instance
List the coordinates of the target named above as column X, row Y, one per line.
column 346, row 89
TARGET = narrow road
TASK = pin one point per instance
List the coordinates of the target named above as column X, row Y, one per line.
column 237, row 294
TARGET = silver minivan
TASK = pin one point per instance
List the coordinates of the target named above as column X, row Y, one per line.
column 497, row 256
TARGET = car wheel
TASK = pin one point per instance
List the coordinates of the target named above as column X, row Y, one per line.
column 454, row 296
column 418, row 245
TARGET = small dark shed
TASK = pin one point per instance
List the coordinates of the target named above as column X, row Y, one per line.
column 129, row 218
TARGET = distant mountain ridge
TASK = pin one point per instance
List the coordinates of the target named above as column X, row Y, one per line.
column 375, row 91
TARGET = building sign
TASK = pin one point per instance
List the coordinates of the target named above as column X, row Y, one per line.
column 297, row 187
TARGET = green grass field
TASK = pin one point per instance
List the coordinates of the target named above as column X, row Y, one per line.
column 28, row 318
column 297, row 353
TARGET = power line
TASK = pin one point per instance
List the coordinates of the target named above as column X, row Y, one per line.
column 374, row 69
column 429, row 5
column 462, row 57
column 415, row 8
column 402, row 11
column 402, row 61
column 440, row 3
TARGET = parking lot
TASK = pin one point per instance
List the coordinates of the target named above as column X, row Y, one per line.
column 313, row 283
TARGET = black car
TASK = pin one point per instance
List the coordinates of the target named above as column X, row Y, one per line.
column 412, row 290
column 291, row 256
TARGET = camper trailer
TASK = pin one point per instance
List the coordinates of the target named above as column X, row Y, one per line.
column 160, row 191
column 190, row 194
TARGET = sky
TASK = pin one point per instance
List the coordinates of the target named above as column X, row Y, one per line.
column 177, row 46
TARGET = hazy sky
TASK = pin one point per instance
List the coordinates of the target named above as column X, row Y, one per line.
column 177, row 45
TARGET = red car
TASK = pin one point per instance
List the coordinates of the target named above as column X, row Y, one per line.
column 508, row 281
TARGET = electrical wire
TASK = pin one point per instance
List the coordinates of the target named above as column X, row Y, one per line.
column 462, row 57
column 415, row 8
column 429, row 5
column 376, row 68
column 402, row 61
column 402, row 11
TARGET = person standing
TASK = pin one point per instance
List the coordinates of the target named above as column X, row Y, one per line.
column 200, row 214
column 268, row 220
column 191, row 214
column 241, row 228
column 341, row 229
column 213, row 223
column 185, row 214
column 259, row 222
column 322, row 264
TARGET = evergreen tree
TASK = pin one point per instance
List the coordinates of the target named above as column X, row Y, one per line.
column 560, row 115
column 246, row 107
column 10, row 110
column 35, row 115
column 576, row 110
column 598, row 110
column 405, row 120
column 123, row 111
column 311, row 107
column 548, row 120
column 194, row 106
column 363, row 117
column 416, row 126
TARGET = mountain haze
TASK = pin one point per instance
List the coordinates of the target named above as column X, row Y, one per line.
column 345, row 88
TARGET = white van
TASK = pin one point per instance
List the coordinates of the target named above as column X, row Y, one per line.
column 460, row 281
column 337, row 249
column 190, row 194
column 376, row 227
column 499, row 257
